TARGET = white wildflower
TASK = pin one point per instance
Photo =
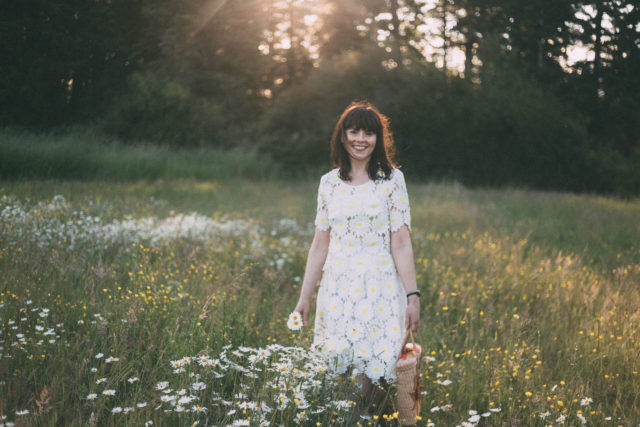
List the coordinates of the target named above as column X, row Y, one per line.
column 295, row 321
column 198, row 386
column 585, row 401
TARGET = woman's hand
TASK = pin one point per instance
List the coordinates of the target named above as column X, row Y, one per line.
column 303, row 309
column 413, row 313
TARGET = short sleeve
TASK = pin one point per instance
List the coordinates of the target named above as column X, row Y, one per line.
column 399, row 212
column 322, row 213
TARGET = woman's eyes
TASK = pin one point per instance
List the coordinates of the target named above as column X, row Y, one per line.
column 355, row 131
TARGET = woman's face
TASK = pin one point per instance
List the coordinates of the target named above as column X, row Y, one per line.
column 359, row 143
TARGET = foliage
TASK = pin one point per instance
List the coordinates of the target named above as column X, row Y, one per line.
column 233, row 74
column 510, row 131
column 159, row 109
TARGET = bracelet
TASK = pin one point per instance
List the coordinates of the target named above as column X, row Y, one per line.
column 413, row 293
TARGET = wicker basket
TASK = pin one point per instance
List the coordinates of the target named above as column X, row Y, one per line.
column 409, row 381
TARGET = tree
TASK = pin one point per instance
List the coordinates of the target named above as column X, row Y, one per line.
column 65, row 59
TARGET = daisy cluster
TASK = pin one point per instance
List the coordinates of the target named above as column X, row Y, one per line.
column 56, row 223
column 287, row 378
column 266, row 382
column 28, row 332
column 48, row 223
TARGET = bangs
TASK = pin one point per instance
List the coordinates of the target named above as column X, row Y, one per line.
column 363, row 118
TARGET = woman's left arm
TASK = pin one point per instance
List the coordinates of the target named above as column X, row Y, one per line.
column 402, row 252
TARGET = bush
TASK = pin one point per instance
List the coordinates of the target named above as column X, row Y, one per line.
column 509, row 131
column 157, row 108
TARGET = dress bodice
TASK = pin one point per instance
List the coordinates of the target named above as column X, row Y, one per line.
column 361, row 219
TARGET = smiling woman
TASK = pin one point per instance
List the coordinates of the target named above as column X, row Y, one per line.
column 363, row 255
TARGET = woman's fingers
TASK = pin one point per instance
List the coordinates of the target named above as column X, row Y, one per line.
column 303, row 309
column 410, row 322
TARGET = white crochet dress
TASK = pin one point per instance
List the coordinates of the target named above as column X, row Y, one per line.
column 361, row 303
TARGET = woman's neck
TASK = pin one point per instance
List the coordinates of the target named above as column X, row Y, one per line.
column 359, row 170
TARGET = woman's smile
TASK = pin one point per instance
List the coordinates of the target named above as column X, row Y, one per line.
column 360, row 143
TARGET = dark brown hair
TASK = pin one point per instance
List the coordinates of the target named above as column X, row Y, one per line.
column 363, row 115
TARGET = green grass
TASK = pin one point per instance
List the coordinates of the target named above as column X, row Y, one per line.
column 530, row 301
column 86, row 154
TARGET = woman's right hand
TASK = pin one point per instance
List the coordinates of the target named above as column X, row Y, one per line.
column 303, row 309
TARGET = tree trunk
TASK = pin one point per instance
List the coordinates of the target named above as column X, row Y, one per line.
column 468, row 57
column 597, row 47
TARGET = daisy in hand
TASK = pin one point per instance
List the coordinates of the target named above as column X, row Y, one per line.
column 295, row 321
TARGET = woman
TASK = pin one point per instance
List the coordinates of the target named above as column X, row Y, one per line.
column 368, row 295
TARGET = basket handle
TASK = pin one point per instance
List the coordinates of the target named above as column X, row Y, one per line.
column 407, row 334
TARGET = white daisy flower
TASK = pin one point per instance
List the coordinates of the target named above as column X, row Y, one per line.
column 295, row 321
column 585, row 401
column 302, row 404
column 185, row 400
column 198, row 386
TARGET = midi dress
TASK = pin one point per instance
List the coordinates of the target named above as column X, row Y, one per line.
column 361, row 303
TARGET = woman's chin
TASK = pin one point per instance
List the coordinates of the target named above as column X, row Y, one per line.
column 361, row 157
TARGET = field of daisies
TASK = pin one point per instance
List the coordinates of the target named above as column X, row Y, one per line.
column 166, row 303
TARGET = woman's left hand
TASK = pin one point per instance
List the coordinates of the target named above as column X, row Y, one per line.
column 413, row 313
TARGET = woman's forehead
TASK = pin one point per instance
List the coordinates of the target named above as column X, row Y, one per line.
column 362, row 118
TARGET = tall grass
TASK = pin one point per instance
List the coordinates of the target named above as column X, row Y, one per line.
column 86, row 154
column 530, row 304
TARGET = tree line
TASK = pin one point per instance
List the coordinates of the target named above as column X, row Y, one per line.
column 272, row 76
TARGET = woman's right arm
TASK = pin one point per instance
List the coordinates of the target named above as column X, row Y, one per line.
column 313, row 270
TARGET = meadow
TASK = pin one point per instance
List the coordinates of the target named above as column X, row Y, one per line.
column 165, row 303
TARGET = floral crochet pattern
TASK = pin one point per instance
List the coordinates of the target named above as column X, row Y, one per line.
column 361, row 302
